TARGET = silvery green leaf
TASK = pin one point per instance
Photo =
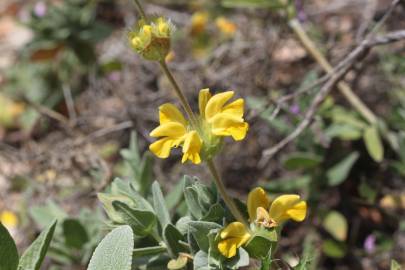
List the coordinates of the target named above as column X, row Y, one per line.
column 159, row 205
column 35, row 253
column 114, row 251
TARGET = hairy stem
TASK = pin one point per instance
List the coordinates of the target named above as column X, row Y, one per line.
column 222, row 190
column 140, row 10
column 343, row 87
column 179, row 93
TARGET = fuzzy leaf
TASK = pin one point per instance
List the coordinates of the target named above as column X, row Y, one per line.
column 172, row 237
column 35, row 253
column 141, row 221
column 114, row 251
column 159, row 205
column 200, row 230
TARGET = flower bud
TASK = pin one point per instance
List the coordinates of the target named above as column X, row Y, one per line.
column 152, row 40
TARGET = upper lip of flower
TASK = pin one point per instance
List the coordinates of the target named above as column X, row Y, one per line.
column 284, row 207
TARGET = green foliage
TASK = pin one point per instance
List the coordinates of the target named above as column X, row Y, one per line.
column 339, row 172
column 262, row 244
column 75, row 240
column 74, row 233
column 140, row 167
column 8, row 250
column 200, row 230
column 159, row 205
column 296, row 161
column 114, row 251
column 334, row 249
column 335, row 223
column 34, row 255
column 142, row 222
column 172, row 238
column 373, row 143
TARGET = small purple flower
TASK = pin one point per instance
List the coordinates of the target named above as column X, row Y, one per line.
column 369, row 243
column 295, row 109
column 299, row 6
column 40, row 9
column 114, row 76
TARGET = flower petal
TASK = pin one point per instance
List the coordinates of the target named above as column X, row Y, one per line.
column 235, row 108
column 224, row 124
column 216, row 103
column 256, row 198
column 169, row 113
column 161, row 148
column 173, row 130
column 203, row 98
column 234, row 229
column 288, row 206
column 228, row 247
column 192, row 147
column 234, row 236
column 299, row 211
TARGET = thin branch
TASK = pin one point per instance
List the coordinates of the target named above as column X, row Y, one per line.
column 47, row 112
column 337, row 74
column 105, row 131
column 67, row 94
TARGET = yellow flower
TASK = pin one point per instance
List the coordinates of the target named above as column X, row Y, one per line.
column 152, row 40
column 232, row 237
column 217, row 119
column 8, row 219
column 223, row 119
column 199, row 22
column 225, row 26
column 173, row 130
column 284, row 207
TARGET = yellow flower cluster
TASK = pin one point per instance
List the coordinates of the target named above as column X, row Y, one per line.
column 199, row 22
column 218, row 118
column 225, row 26
column 264, row 214
column 152, row 40
column 200, row 19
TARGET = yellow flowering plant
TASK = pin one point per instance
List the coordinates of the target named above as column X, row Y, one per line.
column 215, row 232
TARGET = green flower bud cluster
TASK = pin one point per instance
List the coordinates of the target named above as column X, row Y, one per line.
column 152, row 40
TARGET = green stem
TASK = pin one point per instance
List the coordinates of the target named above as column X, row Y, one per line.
column 222, row 190
column 218, row 182
column 194, row 122
column 343, row 87
column 141, row 11
column 179, row 93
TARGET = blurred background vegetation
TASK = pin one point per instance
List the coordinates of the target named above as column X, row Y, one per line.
column 72, row 92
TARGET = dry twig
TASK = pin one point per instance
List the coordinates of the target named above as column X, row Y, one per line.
column 337, row 74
